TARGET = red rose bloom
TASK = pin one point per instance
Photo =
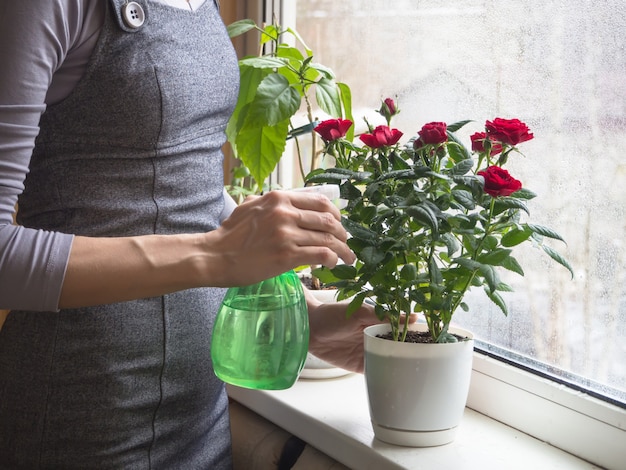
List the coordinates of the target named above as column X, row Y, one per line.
column 433, row 133
column 498, row 182
column 333, row 129
column 478, row 143
column 380, row 137
column 508, row 131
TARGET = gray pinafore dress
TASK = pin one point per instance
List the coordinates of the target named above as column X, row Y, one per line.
column 135, row 149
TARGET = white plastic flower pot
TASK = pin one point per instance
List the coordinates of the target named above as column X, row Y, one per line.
column 417, row 392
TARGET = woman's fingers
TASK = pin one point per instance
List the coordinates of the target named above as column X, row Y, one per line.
column 281, row 230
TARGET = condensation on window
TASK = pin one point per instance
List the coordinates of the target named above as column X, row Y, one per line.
column 561, row 68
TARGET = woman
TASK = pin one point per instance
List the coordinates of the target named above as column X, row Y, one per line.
column 112, row 116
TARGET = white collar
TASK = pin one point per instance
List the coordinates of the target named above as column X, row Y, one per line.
column 183, row 4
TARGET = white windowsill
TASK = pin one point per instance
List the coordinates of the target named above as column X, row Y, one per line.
column 332, row 415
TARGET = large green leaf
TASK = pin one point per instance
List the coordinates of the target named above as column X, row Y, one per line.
column 260, row 148
column 327, row 96
column 275, row 101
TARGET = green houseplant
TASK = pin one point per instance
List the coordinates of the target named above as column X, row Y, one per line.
column 277, row 84
column 281, row 87
column 429, row 219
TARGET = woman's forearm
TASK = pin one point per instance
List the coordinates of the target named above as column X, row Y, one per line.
column 107, row 270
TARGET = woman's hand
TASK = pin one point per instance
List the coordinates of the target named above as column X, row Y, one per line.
column 262, row 238
column 336, row 339
column 268, row 235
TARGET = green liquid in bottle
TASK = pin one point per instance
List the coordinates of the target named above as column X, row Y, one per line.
column 261, row 334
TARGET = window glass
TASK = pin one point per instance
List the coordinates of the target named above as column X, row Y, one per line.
column 561, row 68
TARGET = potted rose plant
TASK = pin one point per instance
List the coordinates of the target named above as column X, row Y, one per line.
column 429, row 220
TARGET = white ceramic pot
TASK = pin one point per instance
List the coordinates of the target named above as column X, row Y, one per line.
column 314, row 367
column 417, row 392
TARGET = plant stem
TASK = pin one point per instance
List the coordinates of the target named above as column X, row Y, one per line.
column 457, row 302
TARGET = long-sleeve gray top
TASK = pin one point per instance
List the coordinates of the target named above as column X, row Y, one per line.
column 44, row 49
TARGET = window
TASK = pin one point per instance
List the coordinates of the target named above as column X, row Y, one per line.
column 559, row 68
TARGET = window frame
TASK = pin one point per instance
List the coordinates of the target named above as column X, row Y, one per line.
column 582, row 422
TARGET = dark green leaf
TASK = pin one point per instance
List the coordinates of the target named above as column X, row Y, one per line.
column 445, row 337
column 456, row 149
column 491, row 277
column 344, row 271
column 408, row 272
column 372, row 255
column 468, row 263
column 426, row 216
column 355, row 304
column 451, row 242
column 524, row 194
column 515, row 237
column 334, row 178
column 495, row 257
column 455, row 126
column 462, row 167
column 556, row 256
column 465, row 198
column 545, row 231
column 358, row 231
column 504, row 203
column 302, row 130
column 498, row 300
column 435, row 273
column 512, row 265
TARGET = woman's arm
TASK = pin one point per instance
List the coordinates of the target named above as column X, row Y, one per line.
column 263, row 237
column 42, row 270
